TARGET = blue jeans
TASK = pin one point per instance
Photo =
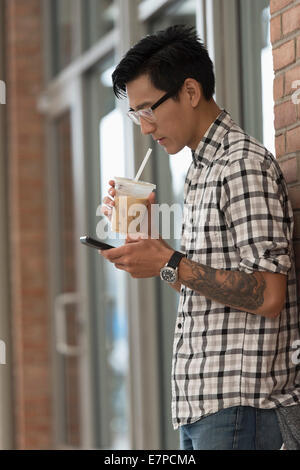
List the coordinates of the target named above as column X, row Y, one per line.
column 238, row 427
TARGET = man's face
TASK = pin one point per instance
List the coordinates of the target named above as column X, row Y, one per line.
column 172, row 128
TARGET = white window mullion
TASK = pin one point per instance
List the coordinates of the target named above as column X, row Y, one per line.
column 150, row 7
column 222, row 40
column 200, row 19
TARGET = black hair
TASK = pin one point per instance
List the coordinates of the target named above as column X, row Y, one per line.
column 168, row 57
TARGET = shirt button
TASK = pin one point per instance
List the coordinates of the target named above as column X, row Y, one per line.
column 179, row 325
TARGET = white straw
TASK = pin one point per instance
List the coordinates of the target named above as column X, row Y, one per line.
column 143, row 165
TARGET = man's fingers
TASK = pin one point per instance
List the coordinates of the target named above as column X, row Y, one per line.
column 105, row 208
column 107, row 212
column 151, row 198
column 129, row 240
column 120, row 266
column 112, row 192
column 108, row 201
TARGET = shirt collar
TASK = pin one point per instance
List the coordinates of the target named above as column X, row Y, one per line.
column 211, row 141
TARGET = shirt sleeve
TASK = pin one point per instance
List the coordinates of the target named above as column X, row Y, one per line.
column 258, row 214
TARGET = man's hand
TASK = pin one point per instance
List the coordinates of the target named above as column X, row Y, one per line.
column 140, row 257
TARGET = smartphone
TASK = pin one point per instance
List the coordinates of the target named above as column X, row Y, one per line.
column 89, row 241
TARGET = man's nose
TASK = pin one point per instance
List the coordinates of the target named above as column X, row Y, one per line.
column 147, row 127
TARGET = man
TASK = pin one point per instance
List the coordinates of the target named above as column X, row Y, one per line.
column 237, row 316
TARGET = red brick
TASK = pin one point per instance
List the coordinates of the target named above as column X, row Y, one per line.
column 284, row 55
column 294, row 195
column 297, row 227
column 28, row 235
column 278, row 89
column 297, row 255
column 285, row 114
column 276, row 5
column 280, row 145
column 289, row 169
column 291, row 20
column 275, row 28
column 298, row 282
column 293, row 140
column 290, row 77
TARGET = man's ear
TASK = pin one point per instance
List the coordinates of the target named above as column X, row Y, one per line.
column 194, row 91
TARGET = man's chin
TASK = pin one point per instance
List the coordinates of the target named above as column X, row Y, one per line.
column 173, row 151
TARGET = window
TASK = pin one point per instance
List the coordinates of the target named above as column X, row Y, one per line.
column 257, row 71
column 66, row 313
column 100, row 17
column 76, row 26
column 104, row 158
column 64, row 33
column 180, row 12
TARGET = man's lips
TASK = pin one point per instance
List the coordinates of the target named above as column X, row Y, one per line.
column 160, row 141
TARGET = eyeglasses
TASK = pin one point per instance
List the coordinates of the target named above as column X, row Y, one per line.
column 147, row 113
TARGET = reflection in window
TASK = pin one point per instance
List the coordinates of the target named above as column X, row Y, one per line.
column 67, row 366
column 109, row 317
column 64, row 33
column 267, row 78
column 178, row 13
column 100, row 17
column 257, row 71
column 112, row 164
column 112, row 154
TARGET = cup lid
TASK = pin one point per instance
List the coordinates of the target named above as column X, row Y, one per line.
column 120, row 179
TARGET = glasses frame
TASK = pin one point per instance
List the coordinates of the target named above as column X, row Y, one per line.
column 136, row 115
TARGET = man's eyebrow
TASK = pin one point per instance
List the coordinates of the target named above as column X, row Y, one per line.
column 141, row 106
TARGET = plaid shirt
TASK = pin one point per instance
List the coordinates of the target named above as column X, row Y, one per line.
column 237, row 216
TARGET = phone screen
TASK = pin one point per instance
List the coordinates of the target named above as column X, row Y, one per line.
column 99, row 245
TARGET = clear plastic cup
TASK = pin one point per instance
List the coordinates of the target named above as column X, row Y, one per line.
column 131, row 206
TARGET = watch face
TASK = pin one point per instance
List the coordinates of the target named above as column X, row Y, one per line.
column 168, row 275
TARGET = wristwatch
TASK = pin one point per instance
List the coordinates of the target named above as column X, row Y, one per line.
column 169, row 272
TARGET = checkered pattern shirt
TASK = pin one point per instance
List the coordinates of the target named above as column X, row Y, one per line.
column 237, row 216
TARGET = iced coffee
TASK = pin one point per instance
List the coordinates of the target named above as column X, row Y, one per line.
column 130, row 212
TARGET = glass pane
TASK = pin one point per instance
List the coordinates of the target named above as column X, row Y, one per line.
column 68, row 366
column 100, row 17
column 64, row 33
column 181, row 12
column 106, row 160
column 267, row 79
column 170, row 173
column 257, row 71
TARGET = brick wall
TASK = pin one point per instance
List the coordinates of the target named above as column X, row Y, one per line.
column 285, row 36
column 27, row 226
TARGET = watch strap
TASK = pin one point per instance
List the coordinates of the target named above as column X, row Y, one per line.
column 175, row 259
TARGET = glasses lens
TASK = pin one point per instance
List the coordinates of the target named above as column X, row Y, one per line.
column 147, row 114
column 134, row 117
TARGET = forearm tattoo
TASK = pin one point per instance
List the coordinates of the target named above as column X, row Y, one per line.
column 233, row 288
